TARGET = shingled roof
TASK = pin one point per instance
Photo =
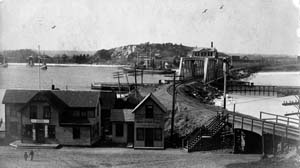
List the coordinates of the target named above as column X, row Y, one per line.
column 124, row 115
column 78, row 98
column 71, row 98
column 18, row 96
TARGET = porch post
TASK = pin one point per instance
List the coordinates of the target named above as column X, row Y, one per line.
column 33, row 132
column 46, row 131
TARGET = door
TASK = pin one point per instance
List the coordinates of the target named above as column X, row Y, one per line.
column 130, row 133
column 40, row 133
column 148, row 137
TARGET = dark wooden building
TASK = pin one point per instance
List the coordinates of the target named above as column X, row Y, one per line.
column 53, row 116
column 149, row 121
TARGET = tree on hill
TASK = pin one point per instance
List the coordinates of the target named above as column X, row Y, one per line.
column 103, row 55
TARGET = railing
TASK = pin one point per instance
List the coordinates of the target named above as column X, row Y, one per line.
column 264, row 126
column 279, row 119
column 210, row 130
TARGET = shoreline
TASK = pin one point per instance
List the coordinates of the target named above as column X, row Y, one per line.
column 71, row 65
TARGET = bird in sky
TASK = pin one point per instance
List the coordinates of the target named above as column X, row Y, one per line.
column 205, row 10
column 221, row 7
column 53, row 27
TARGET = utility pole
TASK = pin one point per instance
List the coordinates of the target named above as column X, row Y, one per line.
column 39, row 68
column 225, row 76
column 173, row 110
column 118, row 75
column 135, row 81
column 173, row 106
column 142, row 76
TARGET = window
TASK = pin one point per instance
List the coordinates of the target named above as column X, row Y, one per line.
column 157, row 134
column 119, row 130
column 33, row 111
column 51, row 131
column 76, row 114
column 91, row 114
column 149, row 111
column 140, row 134
column 76, row 132
column 83, row 114
column 47, row 112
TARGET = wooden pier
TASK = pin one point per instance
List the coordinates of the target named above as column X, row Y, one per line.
column 263, row 90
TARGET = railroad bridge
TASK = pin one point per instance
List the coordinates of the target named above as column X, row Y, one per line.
column 206, row 69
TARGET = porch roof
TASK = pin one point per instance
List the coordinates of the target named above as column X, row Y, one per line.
column 122, row 115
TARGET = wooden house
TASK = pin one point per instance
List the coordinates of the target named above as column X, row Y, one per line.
column 53, row 116
column 122, row 126
column 142, row 127
column 149, row 123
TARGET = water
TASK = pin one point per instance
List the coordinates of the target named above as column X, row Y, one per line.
column 64, row 77
column 275, row 78
column 253, row 105
column 76, row 77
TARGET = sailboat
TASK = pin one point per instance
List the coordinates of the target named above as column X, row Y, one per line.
column 4, row 63
column 44, row 66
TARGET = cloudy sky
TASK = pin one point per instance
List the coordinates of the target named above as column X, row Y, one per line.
column 236, row 26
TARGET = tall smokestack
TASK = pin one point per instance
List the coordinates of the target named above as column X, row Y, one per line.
column 212, row 44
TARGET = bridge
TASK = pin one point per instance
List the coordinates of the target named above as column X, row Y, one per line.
column 204, row 68
column 270, row 129
column 278, row 125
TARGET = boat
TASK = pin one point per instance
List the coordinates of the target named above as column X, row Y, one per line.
column 4, row 63
column 147, row 71
column 44, row 66
column 30, row 61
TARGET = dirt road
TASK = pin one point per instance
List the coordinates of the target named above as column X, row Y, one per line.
column 118, row 157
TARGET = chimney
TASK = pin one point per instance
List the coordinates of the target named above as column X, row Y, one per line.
column 212, row 44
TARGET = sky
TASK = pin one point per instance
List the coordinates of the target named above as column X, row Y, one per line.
column 235, row 26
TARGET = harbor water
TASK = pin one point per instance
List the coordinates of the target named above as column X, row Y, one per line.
column 81, row 77
column 253, row 105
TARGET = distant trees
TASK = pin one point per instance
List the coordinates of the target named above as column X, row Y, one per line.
column 81, row 59
column 103, row 55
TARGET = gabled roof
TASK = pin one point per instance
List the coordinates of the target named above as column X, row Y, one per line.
column 151, row 96
column 71, row 98
column 123, row 115
column 18, row 96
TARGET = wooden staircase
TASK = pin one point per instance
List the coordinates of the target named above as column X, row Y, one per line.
column 203, row 133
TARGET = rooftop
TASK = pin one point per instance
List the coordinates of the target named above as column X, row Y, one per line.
column 72, row 98
column 123, row 115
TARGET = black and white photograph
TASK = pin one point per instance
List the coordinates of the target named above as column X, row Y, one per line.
column 149, row 83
